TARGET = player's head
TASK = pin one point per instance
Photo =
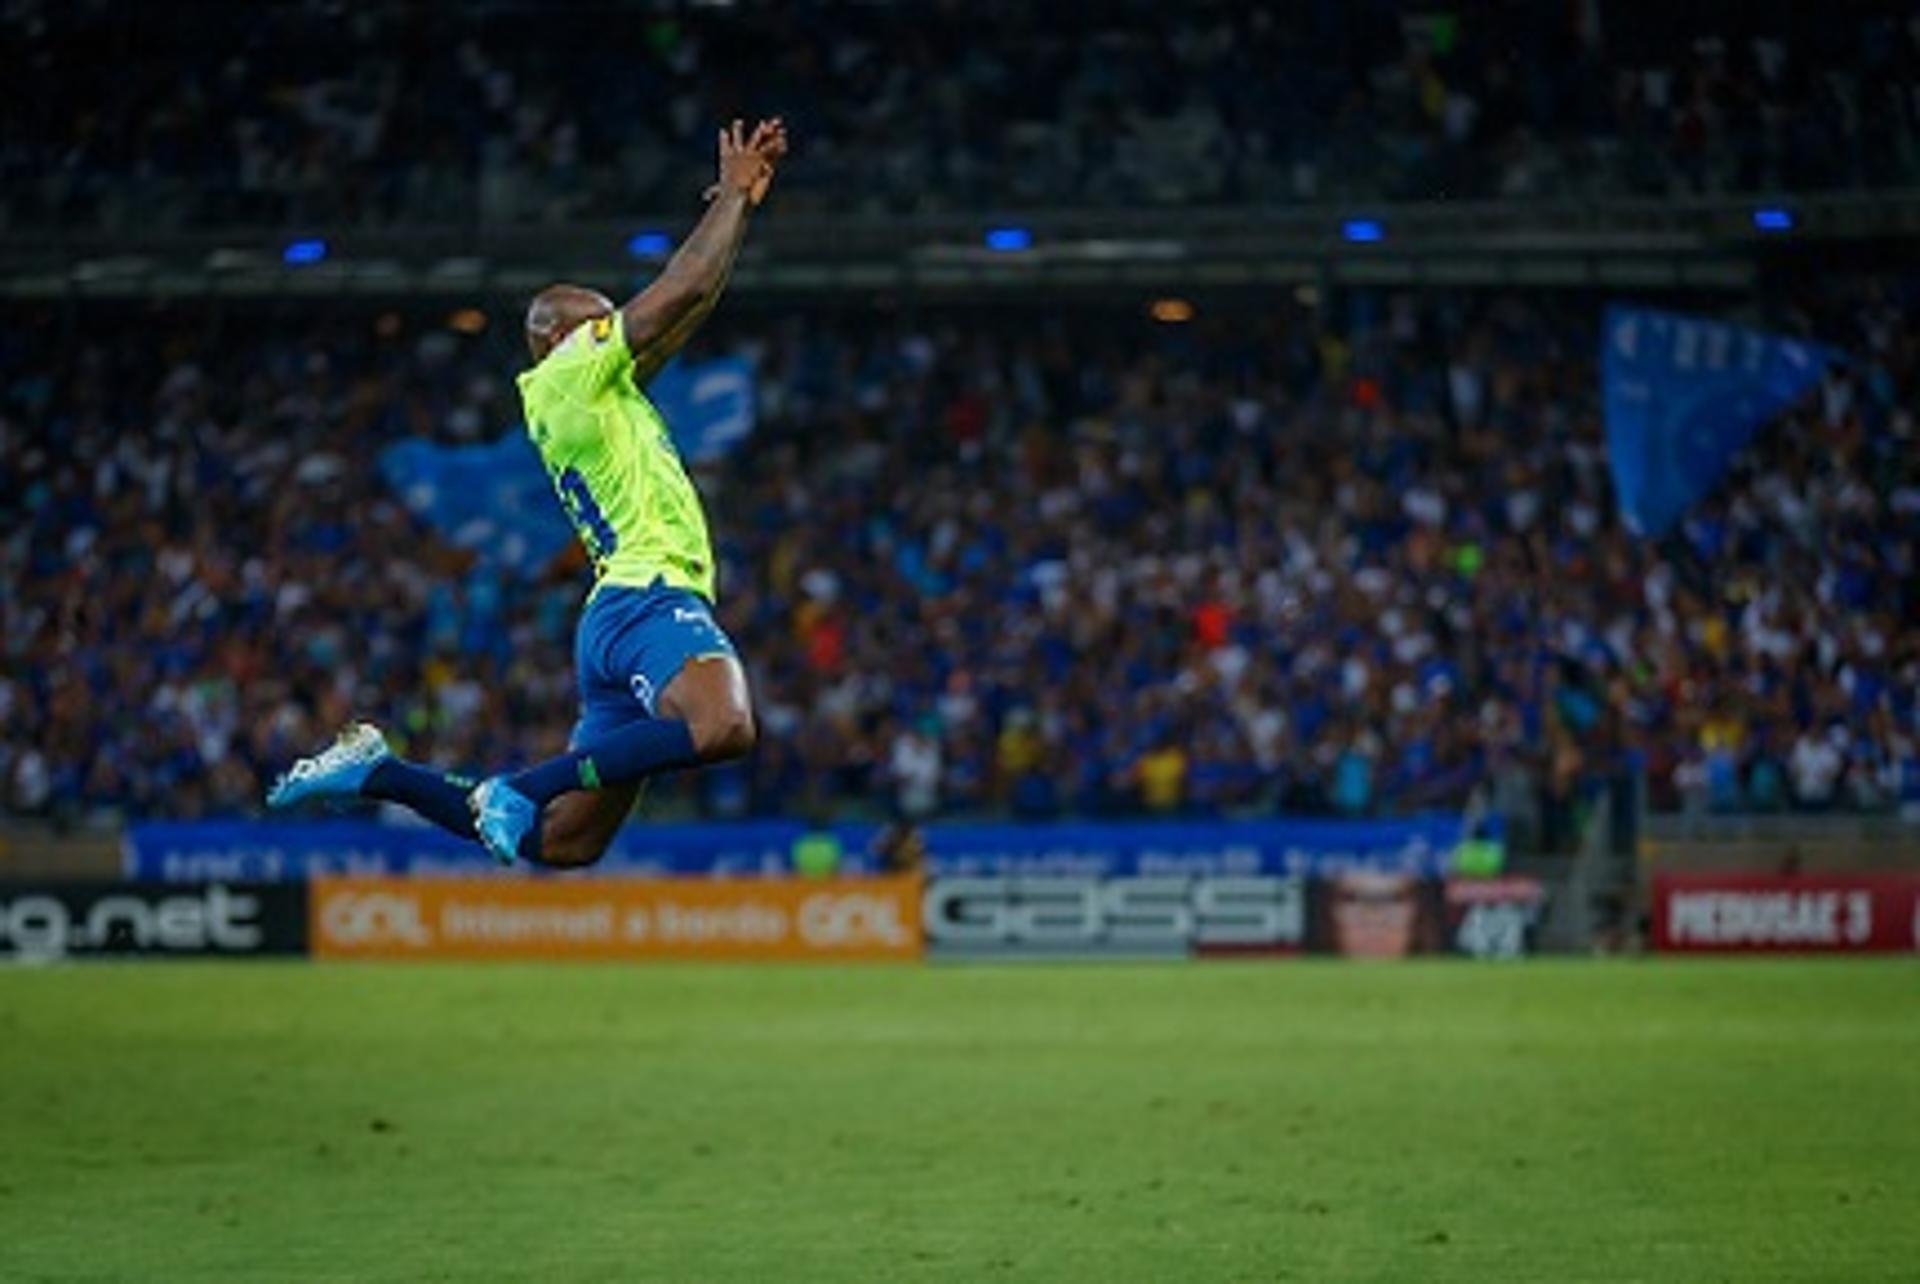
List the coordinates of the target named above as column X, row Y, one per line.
column 557, row 310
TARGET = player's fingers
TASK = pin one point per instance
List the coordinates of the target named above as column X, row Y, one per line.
column 726, row 145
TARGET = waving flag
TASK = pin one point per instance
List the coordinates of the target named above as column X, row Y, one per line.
column 1682, row 395
column 494, row 499
column 708, row 407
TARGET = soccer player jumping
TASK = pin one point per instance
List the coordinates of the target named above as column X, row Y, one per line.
column 660, row 685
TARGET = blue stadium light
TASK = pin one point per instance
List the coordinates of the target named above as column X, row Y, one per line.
column 1363, row 231
column 649, row 245
column 1772, row 218
column 1009, row 239
column 301, row 253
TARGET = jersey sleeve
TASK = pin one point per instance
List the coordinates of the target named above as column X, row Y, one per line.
column 594, row 355
column 563, row 393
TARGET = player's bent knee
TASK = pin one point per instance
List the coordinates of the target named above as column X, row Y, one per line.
column 729, row 733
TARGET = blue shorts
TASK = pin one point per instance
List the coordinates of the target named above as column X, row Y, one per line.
column 630, row 643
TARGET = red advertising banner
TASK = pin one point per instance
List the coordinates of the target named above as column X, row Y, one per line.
column 1826, row 913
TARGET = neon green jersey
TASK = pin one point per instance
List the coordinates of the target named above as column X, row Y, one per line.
column 613, row 464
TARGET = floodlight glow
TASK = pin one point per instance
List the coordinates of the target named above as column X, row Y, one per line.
column 300, row 253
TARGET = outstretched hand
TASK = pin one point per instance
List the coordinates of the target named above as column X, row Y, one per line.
column 660, row 317
column 747, row 160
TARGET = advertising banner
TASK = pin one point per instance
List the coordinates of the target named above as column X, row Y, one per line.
column 1145, row 917
column 1367, row 915
column 46, row 922
column 1829, row 913
column 262, row 851
column 1423, row 846
column 1359, row 914
column 171, row 851
column 1168, row 916
column 1493, row 918
column 573, row 918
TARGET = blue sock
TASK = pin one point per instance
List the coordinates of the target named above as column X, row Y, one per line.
column 642, row 749
column 439, row 797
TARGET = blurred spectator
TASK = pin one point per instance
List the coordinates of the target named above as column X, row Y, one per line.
column 913, row 765
column 1816, row 767
column 1161, row 775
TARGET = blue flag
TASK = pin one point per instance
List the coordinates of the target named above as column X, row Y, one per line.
column 1682, row 395
column 495, row 499
column 708, row 407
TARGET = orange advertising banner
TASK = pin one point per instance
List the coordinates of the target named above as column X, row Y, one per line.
column 614, row 918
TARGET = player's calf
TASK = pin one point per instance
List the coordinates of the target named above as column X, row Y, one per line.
column 577, row 828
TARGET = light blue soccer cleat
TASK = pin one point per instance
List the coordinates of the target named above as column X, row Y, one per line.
column 503, row 816
column 337, row 771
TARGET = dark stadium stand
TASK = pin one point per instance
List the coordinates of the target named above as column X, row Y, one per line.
column 178, row 116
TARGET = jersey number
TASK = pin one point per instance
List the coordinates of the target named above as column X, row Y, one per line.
column 595, row 533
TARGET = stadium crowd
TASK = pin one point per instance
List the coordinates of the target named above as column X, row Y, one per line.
column 1352, row 555
column 125, row 117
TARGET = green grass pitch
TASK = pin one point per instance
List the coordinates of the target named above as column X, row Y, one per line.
column 1305, row 1121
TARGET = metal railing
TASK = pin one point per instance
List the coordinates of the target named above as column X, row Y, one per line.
column 1701, row 243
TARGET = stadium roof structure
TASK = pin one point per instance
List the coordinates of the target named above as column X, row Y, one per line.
column 1694, row 243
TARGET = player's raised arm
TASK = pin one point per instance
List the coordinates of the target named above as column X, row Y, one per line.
column 661, row 318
